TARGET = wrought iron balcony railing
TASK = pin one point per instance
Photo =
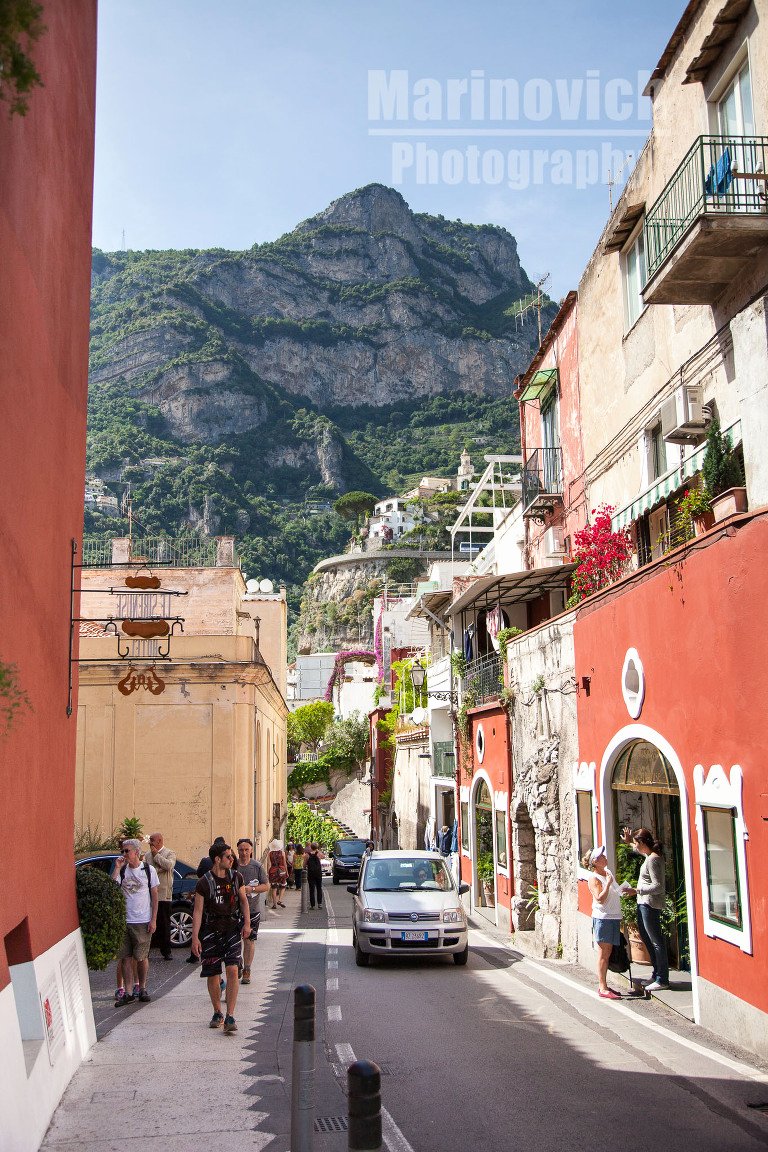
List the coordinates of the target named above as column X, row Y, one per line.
column 542, row 480
column 721, row 175
column 483, row 679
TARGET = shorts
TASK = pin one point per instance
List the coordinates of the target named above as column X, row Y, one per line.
column 136, row 942
column 220, row 947
column 255, row 921
column 606, row 931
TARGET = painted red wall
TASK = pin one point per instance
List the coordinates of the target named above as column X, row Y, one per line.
column 46, row 182
column 699, row 626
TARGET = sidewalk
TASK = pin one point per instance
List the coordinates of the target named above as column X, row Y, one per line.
column 162, row 1079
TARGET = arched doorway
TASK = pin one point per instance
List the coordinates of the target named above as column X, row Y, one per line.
column 484, row 855
column 646, row 793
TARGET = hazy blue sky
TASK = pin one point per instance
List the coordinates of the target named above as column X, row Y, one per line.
column 224, row 124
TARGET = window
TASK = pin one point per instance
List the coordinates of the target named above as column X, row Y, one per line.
column 501, row 839
column 585, row 828
column 465, row 828
column 635, row 274
column 722, row 865
column 734, row 109
column 657, row 453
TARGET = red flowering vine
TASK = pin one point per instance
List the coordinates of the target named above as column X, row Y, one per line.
column 602, row 555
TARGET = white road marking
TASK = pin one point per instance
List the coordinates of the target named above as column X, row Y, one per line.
column 333, row 963
column 735, row 1065
column 345, row 1054
column 332, row 984
column 391, row 1134
column 334, row 1011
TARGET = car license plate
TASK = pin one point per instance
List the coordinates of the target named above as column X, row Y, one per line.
column 414, row 935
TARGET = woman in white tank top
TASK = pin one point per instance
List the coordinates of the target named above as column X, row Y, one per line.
column 606, row 915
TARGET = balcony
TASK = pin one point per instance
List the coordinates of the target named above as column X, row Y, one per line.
column 709, row 221
column 483, row 680
column 444, row 759
column 542, row 482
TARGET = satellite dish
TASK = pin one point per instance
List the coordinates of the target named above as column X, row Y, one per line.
column 251, row 586
column 266, row 586
column 419, row 715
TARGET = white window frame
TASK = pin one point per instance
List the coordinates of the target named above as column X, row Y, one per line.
column 721, row 790
column 651, row 474
column 584, row 780
column 720, row 89
column 636, row 245
column 464, row 799
column 501, row 805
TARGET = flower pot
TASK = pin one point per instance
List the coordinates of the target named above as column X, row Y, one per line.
column 703, row 523
column 638, row 950
column 489, row 899
column 729, row 503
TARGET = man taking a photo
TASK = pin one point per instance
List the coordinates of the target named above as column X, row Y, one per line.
column 221, row 909
column 139, row 883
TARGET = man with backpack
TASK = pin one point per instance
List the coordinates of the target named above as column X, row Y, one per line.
column 220, row 921
column 139, row 883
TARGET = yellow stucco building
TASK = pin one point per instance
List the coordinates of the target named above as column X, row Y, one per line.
column 193, row 745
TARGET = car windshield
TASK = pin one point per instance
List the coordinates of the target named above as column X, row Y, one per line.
column 350, row 847
column 407, row 873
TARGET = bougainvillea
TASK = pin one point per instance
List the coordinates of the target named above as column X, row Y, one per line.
column 602, row 555
column 360, row 654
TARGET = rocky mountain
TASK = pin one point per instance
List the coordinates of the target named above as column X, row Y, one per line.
column 361, row 350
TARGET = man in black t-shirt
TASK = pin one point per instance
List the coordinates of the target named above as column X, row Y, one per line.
column 221, row 910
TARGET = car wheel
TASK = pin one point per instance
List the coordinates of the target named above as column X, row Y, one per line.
column 361, row 958
column 181, row 926
column 461, row 958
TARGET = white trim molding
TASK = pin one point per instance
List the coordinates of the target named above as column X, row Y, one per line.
column 633, row 693
column 479, row 777
column 720, row 790
column 501, row 804
column 584, row 778
column 617, row 743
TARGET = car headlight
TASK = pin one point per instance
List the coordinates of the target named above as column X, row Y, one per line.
column 373, row 916
column 453, row 916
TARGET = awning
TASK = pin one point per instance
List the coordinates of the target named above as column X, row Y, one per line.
column 539, row 386
column 668, row 483
column 512, row 588
column 431, row 604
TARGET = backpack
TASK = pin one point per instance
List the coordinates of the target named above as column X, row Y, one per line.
column 277, row 872
column 146, row 869
column 234, row 877
column 619, row 959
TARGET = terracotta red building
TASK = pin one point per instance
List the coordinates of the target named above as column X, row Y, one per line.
column 46, row 180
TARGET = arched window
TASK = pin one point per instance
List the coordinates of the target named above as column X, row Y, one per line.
column 641, row 767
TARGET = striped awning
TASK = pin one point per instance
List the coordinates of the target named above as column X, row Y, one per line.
column 669, row 483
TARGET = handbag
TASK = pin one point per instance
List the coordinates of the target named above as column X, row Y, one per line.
column 619, row 960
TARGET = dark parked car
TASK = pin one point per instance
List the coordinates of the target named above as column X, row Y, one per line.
column 347, row 855
column 184, row 882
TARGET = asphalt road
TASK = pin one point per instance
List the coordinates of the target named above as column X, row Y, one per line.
column 509, row 1053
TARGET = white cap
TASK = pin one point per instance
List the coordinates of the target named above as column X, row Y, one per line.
column 596, row 853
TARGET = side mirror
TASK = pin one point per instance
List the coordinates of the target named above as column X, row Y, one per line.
column 352, row 889
column 463, row 887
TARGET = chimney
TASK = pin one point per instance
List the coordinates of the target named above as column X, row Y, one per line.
column 225, row 552
column 121, row 550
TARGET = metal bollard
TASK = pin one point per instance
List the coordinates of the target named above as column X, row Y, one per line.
column 303, row 1077
column 364, row 1095
column 304, row 891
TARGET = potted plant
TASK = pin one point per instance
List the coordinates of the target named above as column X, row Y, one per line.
column 695, row 512
column 723, row 474
column 485, row 874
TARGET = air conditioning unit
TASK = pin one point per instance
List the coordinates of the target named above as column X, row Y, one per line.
column 554, row 542
column 682, row 416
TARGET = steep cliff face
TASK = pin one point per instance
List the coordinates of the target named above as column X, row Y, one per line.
column 361, row 350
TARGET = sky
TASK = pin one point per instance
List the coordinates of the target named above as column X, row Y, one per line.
column 223, row 124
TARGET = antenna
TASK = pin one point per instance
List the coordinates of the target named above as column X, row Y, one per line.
column 533, row 301
column 123, row 239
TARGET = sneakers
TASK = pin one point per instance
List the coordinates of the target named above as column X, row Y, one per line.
column 144, row 996
column 246, row 976
column 191, row 959
column 122, row 997
column 216, row 1020
column 229, row 1025
column 656, row 986
column 136, row 991
column 609, row 994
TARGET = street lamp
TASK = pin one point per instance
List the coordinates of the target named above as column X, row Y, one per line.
column 418, row 675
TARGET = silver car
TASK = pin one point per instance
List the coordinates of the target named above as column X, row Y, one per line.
column 407, row 904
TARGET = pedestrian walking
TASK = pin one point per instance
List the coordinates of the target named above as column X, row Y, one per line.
column 127, row 975
column 277, row 870
column 256, row 881
column 139, row 883
column 444, row 841
column 606, row 915
column 314, row 876
column 651, row 892
column 164, row 862
column 289, row 854
column 220, row 921
column 204, row 866
column 299, row 858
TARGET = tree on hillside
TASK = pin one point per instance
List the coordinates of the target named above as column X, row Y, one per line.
column 353, row 505
column 346, row 741
column 308, row 724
